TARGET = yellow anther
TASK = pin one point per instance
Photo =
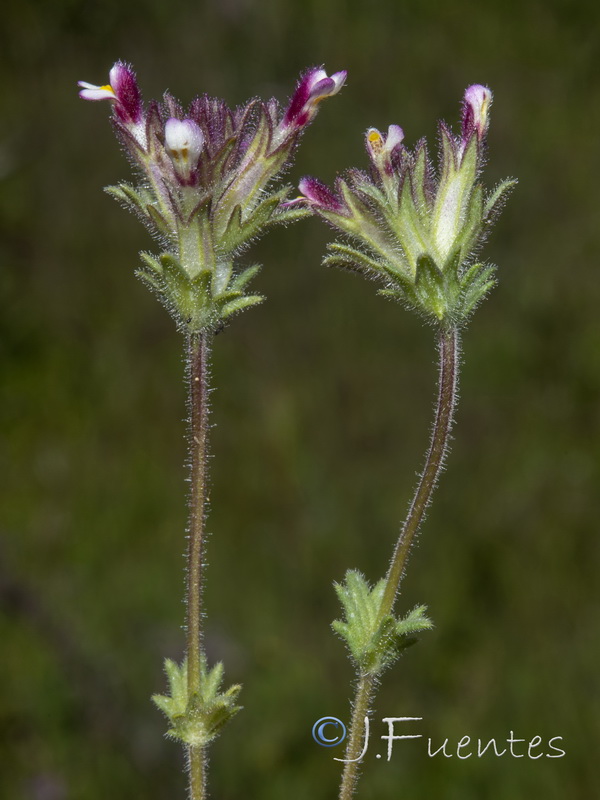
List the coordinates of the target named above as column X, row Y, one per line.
column 485, row 107
column 375, row 140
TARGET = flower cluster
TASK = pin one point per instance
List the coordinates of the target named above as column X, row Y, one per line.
column 416, row 230
column 206, row 185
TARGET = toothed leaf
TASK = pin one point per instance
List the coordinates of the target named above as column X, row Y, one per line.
column 374, row 639
column 198, row 717
column 235, row 306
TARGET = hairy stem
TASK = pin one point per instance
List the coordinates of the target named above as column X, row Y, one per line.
column 440, row 437
column 198, row 355
column 364, row 692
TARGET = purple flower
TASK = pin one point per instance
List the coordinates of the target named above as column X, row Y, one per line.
column 122, row 89
column 314, row 86
column 476, row 106
column 317, row 194
column 184, row 142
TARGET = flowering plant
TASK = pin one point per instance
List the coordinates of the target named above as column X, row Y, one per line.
column 419, row 233
column 205, row 192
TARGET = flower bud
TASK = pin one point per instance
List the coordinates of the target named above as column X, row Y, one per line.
column 476, row 107
column 313, row 87
column 184, row 141
column 321, row 196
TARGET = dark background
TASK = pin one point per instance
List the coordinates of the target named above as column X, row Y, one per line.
column 321, row 413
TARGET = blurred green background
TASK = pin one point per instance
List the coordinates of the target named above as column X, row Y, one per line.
column 321, row 412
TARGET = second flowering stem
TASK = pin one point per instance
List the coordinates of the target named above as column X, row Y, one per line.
column 362, row 701
column 448, row 345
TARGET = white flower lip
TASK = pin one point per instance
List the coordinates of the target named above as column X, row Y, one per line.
column 318, row 76
column 339, row 78
column 322, row 85
column 184, row 141
column 91, row 92
column 395, row 136
column 184, row 138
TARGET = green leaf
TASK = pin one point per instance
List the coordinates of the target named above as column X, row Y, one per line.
column 453, row 194
column 151, row 282
column 239, row 190
column 246, row 223
column 292, row 214
column 239, row 283
column 372, row 191
column 471, row 229
column 136, row 199
column 235, row 306
column 419, row 177
column 201, row 209
column 152, row 264
column 399, row 279
column 495, row 201
column 412, row 234
column 345, row 257
column 172, row 266
column 469, row 162
column 232, row 236
column 221, row 157
column 475, row 285
column 448, row 163
column 401, row 285
column 221, row 277
column 375, row 640
column 415, row 621
column 198, row 717
column 140, row 201
column 158, row 220
column 431, row 288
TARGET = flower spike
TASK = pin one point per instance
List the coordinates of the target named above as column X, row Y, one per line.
column 418, row 234
column 206, row 186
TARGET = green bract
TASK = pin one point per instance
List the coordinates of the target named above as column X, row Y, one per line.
column 198, row 718
column 375, row 640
